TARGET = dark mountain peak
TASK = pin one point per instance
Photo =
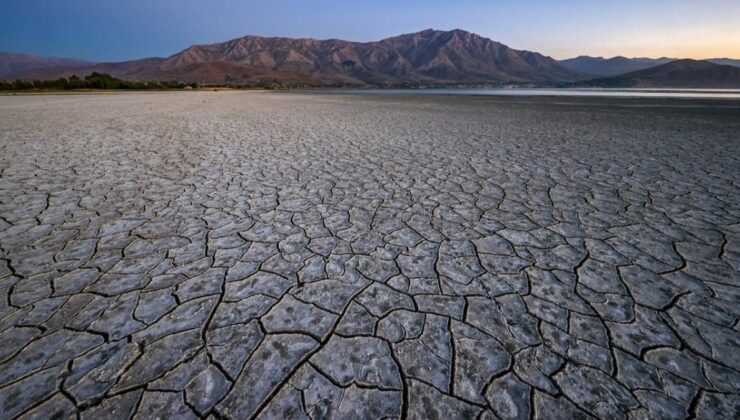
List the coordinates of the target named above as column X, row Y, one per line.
column 688, row 64
column 465, row 34
column 687, row 60
column 684, row 73
column 726, row 61
column 438, row 35
column 607, row 67
column 424, row 32
column 431, row 31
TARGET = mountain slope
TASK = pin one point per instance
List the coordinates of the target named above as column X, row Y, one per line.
column 676, row 74
column 725, row 61
column 459, row 54
column 16, row 63
column 426, row 57
column 152, row 69
column 606, row 67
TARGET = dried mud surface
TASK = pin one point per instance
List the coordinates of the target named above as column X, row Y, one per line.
column 295, row 255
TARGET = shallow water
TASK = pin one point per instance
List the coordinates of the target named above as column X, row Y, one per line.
column 620, row 93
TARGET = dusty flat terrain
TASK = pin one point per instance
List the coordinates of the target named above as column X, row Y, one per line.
column 292, row 255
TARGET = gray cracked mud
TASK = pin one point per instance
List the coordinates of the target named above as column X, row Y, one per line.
column 257, row 255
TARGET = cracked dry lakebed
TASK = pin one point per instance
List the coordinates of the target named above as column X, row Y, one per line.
column 299, row 255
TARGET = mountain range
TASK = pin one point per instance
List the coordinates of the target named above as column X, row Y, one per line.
column 429, row 57
column 607, row 67
column 11, row 64
column 675, row 74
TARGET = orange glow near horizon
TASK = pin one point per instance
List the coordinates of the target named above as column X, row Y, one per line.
column 696, row 52
column 700, row 42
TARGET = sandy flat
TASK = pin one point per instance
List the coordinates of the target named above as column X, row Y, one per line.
column 293, row 255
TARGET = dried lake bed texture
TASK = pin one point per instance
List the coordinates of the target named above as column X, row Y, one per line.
column 292, row 255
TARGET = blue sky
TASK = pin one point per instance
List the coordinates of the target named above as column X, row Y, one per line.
column 108, row 30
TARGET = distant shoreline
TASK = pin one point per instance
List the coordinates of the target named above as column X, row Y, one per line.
column 117, row 91
column 573, row 93
column 103, row 82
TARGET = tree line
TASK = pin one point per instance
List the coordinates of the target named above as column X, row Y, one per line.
column 93, row 81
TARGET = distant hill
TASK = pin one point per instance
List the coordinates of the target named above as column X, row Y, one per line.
column 11, row 63
column 725, row 61
column 599, row 66
column 153, row 69
column 676, row 74
column 607, row 67
column 426, row 57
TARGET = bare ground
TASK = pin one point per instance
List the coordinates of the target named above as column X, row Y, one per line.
column 292, row 255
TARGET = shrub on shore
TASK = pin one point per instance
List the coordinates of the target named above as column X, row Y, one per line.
column 95, row 80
